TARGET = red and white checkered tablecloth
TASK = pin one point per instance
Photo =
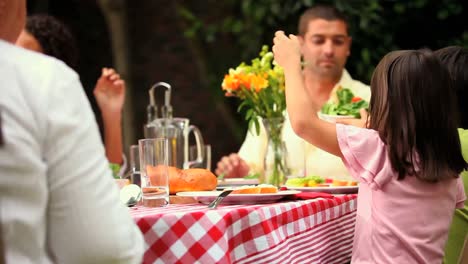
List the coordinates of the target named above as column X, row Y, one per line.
column 310, row 231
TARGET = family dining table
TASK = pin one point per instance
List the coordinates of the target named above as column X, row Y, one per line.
column 317, row 230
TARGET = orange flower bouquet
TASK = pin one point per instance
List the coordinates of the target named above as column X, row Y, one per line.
column 260, row 86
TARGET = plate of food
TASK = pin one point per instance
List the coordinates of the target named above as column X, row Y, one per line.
column 343, row 105
column 251, row 179
column 320, row 184
column 236, row 182
column 328, row 189
column 259, row 194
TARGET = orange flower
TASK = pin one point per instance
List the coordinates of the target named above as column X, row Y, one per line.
column 230, row 83
column 259, row 82
column 260, row 86
column 245, row 80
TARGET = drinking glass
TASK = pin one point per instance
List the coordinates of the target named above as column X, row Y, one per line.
column 154, row 161
column 135, row 176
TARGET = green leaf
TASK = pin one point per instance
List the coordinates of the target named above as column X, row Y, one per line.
column 242, row 105
column 248, row 114
column 260, row 13
column 115, row 168
column 252, row 176
column 365, row 55
column 345, row 106
column 257, row 126
column 237, row 26
column 186, row 13
column 399, row 8
column 442, row 14
column 344, row 96
column 275, row 8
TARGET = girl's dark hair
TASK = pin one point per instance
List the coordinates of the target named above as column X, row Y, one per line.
column 456, row 60
column 414, row 111
column 55, row 38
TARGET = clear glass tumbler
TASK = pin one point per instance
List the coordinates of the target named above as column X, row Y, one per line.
column 154, row 160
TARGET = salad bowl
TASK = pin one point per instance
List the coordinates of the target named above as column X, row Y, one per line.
column 345, row 105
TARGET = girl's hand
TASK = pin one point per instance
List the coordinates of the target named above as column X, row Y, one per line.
column 110, row 92
column 286, row 50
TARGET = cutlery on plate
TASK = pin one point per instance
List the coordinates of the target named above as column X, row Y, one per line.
column 130, row 195
column 133, row 200
column 220, row 198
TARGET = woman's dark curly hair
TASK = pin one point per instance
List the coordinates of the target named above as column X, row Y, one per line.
column 455, row 58
column 55, row 38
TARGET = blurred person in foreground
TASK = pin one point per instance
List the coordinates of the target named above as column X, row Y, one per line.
column 325, row 47
column 50, row 36
column 456, row 60
column 59, row 203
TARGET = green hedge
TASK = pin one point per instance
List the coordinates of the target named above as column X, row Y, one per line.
column 229, row 31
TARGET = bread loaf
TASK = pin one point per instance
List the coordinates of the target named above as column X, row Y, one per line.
column 192, row 180
column 188, row 180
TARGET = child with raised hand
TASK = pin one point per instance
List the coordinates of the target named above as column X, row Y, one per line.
column 48, row 35
column 407, row 159
column 110, row 97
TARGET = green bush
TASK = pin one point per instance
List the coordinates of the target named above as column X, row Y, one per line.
column 234, row 31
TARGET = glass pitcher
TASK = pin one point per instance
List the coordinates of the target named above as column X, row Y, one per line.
column 177, row 131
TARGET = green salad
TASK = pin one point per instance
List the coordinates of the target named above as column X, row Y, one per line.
column 347, row 104
column 305, row 181
column 252, row 176
column 115, row 168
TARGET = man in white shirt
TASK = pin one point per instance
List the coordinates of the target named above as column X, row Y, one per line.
column 325, row 41
column 58, row 201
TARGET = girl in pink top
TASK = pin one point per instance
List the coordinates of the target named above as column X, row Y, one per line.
column 407, row 160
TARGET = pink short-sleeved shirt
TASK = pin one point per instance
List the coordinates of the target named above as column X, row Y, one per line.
column 403, row 221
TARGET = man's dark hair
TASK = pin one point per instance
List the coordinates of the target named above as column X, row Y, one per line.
column 55, row 38
column 325, row 12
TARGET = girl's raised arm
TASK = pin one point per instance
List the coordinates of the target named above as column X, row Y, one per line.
column 302, row 112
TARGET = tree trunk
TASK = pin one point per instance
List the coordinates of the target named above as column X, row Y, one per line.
column 197, row 50
column 116, row 17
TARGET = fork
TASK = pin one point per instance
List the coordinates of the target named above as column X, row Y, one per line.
column 133, row 200
column 218, row 199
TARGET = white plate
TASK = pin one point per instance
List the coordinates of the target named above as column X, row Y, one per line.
column 128, row 192
column 331, row 189
column 237, row 182
column 207, row 197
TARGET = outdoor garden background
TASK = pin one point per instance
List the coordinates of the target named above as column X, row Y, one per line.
column 191, row 44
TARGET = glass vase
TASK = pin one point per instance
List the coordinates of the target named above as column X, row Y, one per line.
column 276, row 155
